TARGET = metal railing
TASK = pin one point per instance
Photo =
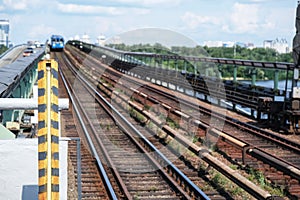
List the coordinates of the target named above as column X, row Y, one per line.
column 78, row 155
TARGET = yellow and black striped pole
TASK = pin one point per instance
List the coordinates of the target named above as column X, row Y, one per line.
column 48, row 133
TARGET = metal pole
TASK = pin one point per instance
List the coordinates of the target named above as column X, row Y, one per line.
column 253, row 80
column 234, row 73
column 276, row 79
column 176, row 67
column 78, row 169
column 48, row 133
column 49, row 157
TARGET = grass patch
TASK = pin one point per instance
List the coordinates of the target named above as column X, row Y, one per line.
column 258, row 177
column 136, row 115
column 173, row 124
column 222, row 182
column 195, row 139
column 147, row 107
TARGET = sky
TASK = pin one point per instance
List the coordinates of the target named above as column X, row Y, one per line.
column 247, row 21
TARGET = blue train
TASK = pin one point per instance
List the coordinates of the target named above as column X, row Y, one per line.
column 57, row 43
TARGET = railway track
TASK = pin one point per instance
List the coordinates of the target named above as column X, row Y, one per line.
column 267, row 151
column 275, row 156
column 138, row 175
column 179, row 159
column 92, row 186
column 93, row 73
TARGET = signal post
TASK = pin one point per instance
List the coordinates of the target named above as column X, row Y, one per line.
column 48, row 130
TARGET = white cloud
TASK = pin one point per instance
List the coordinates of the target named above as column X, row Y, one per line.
column 40, row 31
column 21, row 5
column 15, row 4
column 246, row 18
column 149, row 2
column 202, row 19
column 98, row 10
column 86, row 9
column 194, row 21
column 260, row 1
column 257, row 1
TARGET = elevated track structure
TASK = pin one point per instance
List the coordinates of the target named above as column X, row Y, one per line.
column 234, row 133
column 86, row 68
column 191, row 75
column 188, row 75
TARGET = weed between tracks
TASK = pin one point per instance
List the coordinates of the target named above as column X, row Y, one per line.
column 173, row 124
column 219, row 181
column 136, row 115
column 258, row 177
column 255, row 176
column 216, row 179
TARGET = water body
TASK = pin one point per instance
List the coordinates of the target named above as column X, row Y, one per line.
column 226, row 104
column 270, row 84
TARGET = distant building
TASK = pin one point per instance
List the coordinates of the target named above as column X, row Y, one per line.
column 228, row 44
column 100, row 40
column 250, row 46
column 213, row 43
column 280, row 45
column 241, row 44
column 225, row 44
column 85, row 38
column 268, row 44
column 115, row 40
column 4, row 32
column 77, row 37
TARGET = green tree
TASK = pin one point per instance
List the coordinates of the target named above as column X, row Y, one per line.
column 257, row 54
column 3, row 49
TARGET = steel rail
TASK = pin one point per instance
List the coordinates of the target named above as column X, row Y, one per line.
column 207, row 157
column 265, row 134
column 252, row 189
column 204, row 154
column 196, row 190
column 153, row 148
column 280, row 164
column 234, row 122
column 107, row 156
column 93, row 149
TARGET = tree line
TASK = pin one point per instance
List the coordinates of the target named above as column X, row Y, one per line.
column 3, row 48
column 237, row 52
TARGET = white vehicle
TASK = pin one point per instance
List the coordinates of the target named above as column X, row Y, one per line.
column 37, row 44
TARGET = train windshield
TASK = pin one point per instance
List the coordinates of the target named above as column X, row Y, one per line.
column 61, row 40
